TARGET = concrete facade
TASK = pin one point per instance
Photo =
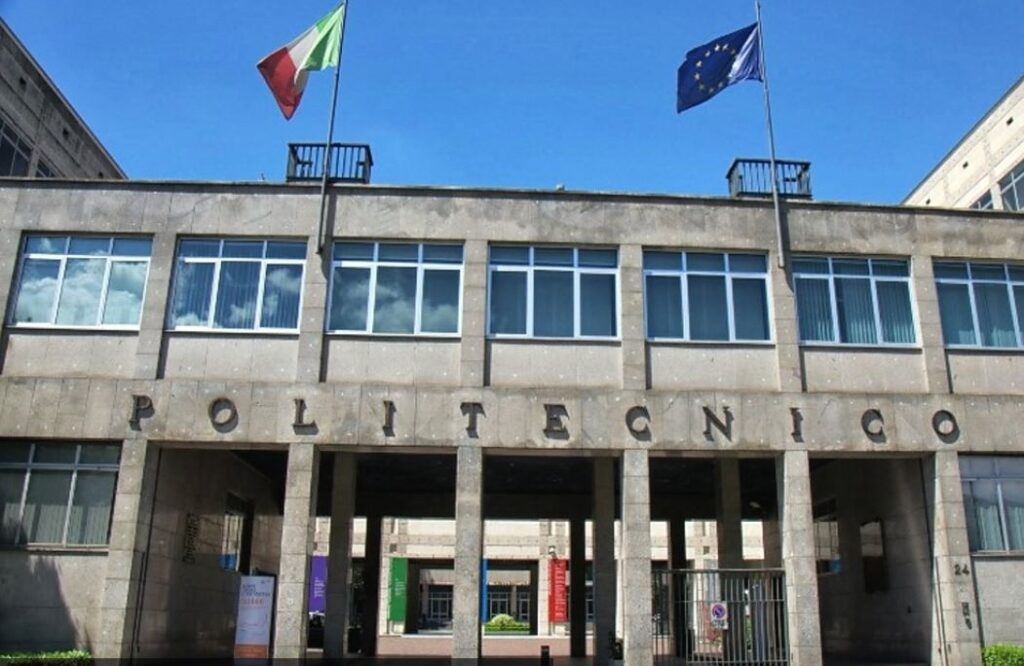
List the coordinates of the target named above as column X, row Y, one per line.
column 789, row 405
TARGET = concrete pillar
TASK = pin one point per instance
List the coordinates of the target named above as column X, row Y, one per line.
column 297, row 533
column 795, row 510
column 314, row 295
column 370, row 620
column 787, row 332
column 543, row 592
column 577, row 588
column 469, row 531
column 772, row 543
column 474, row 313
column 634, row 345
column 603, row 547
column 955, row 633
column 129, row 541
column 932, row 346
column 677, row 589
column 343, row 503
column 154, row 308
column 636, row 559
column 729, row 513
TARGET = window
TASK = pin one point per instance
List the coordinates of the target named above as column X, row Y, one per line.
column 553, row 292
column 994, row 502
column 872, row 553
column 15, row 154
column 236, row 545
column 439, row 607
column 86, row 281
column 1012, row 188
column 706, row 296
column 43, row 170
column 57, row 494
column 236, row 284
column 846, row 300
column 499, row 601
column 396, row 289
column 984, row 202
column 980, row 304
column 826, row 537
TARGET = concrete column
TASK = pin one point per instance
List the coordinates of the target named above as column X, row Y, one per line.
column 955, row 633
column 129, row 541
column 787, row 331
column 728, row 511
column 677, row 561
column 772, row 543
column 930, row 326
column 636, row 559
column 795, row 510
column 603, row 547
column 469, row 531
column 154, row 308
column 474, row 313
column 370, row 620
column 543, row 591
column 577, row 588
column 634, row 346
column 343, row 503
column 297, row 535
column 314, row 310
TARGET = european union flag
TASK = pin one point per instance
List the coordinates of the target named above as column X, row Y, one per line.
column 708, row 69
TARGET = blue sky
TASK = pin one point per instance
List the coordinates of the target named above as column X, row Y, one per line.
column 533, row 93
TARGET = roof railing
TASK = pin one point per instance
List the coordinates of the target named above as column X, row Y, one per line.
column 752, row 178
column 350, row 162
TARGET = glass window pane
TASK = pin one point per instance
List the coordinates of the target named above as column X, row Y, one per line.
column 448, row 254
column 243, row 249
column 855, row 311
column 663, row 261
column 46, row 244
column 952, row 271
column 100, row 454
column 988, row 272
column 508, row 302
column 750, row 309
column 510, row 255
column 891, row 268
column 1018, row 299
column 192, row 290
column 55, row 453
column 955, row 312
column 597, row 304
column 1013, row 506
column 286, row 250
column 1011, row 466
column 702, row 261
column 133, row 247
column 236, row 295
column 552, row 304
column 812, row 265
column 46, row 506
column 664, row 307
column 89, row 521
column 14, row 452
column 199, row 247
column 1016, row 273
column 12, row 483
column 994, row 317
column 394, row 308
column 350, row 296
column 982, row 508
column 281, row 291
column 36, row 291
column 895, row 311
column 362, row 251
column 440, row 309
column 599, row 258
column 124, row 292
column 89, row 245
column 850, row 266
column 977, row 466
column 398, row 252
column 814, row 308
column 748, row 263
column 709, row 318
column 552, row 256
column 80, row 293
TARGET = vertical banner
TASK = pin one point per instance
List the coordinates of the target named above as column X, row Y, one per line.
column 483, row 592
column 252, row 626
column 318, row 584
column 558, row 593
column 398, row 589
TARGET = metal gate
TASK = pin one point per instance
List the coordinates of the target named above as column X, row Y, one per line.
column 721, row 616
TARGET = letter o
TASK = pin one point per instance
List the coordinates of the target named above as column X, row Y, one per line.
column 873, row 424
column 223, row 413
column 945, row 426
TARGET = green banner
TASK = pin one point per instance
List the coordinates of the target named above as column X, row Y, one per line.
column 398, row 589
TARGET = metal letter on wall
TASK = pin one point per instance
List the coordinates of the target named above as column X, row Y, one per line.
column 554, row 427
column 142, row 407
column 798, row 424
column 635, row 414
column 299, row 423
column 945, row 426
column 223, row 415
column 471, row 410
column 873, row 425
column 711, row 420
column 389, row 418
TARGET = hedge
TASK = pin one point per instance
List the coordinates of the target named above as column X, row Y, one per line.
column 58, row 658
column 1003, row 655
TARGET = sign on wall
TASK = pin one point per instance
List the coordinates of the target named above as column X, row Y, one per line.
column 252, row 625
column 318, row 584
column 558, row 592
column 398, row 589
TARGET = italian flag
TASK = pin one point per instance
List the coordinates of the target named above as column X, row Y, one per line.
column 286, row 69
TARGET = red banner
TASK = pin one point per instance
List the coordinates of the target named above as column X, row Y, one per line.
column 558, row 593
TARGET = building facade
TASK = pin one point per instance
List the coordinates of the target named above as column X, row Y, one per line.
column 191, row 378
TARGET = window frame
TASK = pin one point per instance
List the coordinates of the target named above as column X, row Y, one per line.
column 996, row 479
column 19, row 146
column 984, row 202
column 110, row 258
column 873, row 281
column 373, row 264
column 217, row 262
column 29, row 466
column 1013, row 181
column 684, row 289
column 969, row 282
column 531, row 267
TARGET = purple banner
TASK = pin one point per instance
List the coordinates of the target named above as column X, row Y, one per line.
column 318, row 585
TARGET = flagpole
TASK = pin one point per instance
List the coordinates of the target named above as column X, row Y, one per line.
column 771, row 140
column 330, row 138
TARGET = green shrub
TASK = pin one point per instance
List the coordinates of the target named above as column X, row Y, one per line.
column 505, row 623
column 1003, row 655
column 58, row 658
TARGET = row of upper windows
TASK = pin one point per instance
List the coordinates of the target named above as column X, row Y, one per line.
column 533, row 292
column 16, row 154
column 1011, row 189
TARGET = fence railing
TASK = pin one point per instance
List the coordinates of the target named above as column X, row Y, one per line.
column 350, row 162
column 725, row 616
column 752, row 177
